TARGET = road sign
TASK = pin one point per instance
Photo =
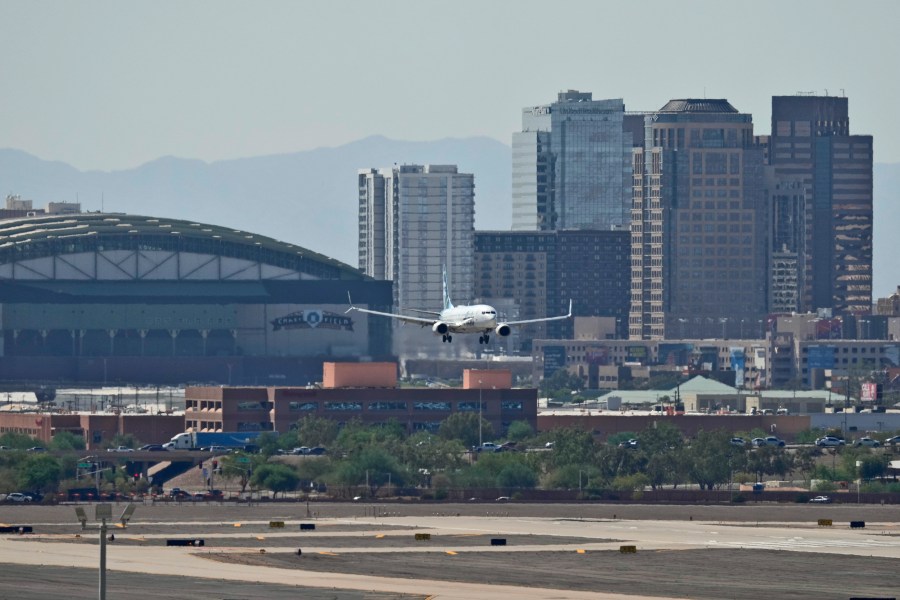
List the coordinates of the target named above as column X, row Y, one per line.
column 243, row 460
column 84, row 465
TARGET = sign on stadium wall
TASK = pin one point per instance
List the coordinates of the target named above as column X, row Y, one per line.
column 313, row 319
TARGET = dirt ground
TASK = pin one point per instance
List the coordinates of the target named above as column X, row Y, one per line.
column 697, row 574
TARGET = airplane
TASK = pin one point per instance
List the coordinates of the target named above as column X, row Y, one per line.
column 475, row 318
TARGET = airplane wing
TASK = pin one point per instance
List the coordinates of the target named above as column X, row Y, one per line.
column 404, row 318
column 559, row 318
column 433, row 313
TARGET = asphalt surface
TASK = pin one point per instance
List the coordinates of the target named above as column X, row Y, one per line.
column 744, row 552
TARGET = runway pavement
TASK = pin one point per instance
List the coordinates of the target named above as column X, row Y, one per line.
column 554, row 552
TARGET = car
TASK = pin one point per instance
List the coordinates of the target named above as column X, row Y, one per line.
column 2, row 448
column 757, row 442
column 549, row 445
column 153, row 448
column 36, row 449
column 738, row 441
column 629, row 444
column 502, row 499
column 300, row 450
column 829, row 441
column 867, row 441
column 488, row 447
column 120, row 449
column 892, row 441
column 220, row 449
column 317, row 451
column 18, row 497
column 820, row 500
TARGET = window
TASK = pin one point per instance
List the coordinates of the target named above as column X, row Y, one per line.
column 431, row 406
column 343, row 406
column 387, row 406
column 302, row 406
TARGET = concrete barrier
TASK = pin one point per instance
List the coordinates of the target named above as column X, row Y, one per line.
column 16, row 529
column 185, row 542
column 825, row 523
column 857, row 524
column 307, row 526
column 276, row 524
column 498, row 541
column 423, row 536
column 628, row 549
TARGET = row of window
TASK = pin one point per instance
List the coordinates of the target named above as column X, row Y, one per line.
column 399, row 406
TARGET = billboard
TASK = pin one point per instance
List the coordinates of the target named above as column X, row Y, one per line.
column 820, row 357
column 554, row 359
column 675, row 354
column 738, row 364
column 869, row 392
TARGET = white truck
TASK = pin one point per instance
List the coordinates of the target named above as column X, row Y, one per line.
column 195, row 440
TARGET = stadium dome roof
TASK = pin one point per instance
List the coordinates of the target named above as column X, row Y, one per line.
column 35, row 239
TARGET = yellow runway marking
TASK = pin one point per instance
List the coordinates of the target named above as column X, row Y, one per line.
column 451, row 553
column 379, row 536
column 580, row 551
column 328, row 554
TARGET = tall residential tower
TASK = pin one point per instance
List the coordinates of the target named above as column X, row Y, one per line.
column 415, row 220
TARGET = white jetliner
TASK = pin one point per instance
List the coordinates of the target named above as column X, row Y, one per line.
column 476, row 318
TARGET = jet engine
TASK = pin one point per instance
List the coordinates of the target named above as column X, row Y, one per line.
column 503, row 330
column 440, row 328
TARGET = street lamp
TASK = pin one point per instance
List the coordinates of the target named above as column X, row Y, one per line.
column 480, row 418
column 102, row 512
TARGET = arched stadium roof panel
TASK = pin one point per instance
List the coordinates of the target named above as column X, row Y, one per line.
column 103, row 246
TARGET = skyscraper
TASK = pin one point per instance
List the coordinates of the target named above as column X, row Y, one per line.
column 415, row 220
column 698, row 228
column 811, row 144
column 572, row 165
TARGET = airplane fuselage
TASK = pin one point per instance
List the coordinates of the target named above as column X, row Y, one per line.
column 476, row 318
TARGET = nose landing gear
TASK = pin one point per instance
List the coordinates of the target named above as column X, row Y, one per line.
column 447, row 338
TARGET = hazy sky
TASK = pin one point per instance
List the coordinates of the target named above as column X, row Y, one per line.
column 112, row 84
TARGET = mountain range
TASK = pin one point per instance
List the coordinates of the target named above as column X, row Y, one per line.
column 309, row 198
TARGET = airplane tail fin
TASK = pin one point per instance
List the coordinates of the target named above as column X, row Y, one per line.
column 447, row 302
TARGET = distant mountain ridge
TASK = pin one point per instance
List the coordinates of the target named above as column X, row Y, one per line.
column 309, row 198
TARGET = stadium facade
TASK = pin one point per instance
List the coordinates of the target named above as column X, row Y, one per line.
column 100, row 298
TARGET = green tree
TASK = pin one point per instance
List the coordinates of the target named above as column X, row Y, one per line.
column 872, row 466
column 39, row 473
column 317, row 431
column 517, row 475
column 571, row 446
column 712, row 458
column 560, row 385
column 239, row 466
column 463, row 426
column 66, row 440
column 275, row 477
column 519, row 431
column 18, row 441
column 374, row 465
column 268, row 443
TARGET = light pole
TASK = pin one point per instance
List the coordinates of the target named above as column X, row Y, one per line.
column 102, row 513
column 480, row 417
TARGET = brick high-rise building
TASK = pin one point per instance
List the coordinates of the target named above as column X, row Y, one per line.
column 698, row 228
column 831, row 224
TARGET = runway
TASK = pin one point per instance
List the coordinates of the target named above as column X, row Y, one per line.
column 553, row 556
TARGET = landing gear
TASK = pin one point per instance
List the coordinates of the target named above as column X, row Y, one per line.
column 484, row 339
column 447, row 338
